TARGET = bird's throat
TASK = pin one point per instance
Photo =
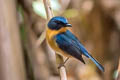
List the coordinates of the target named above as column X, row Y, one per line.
column 51, row 33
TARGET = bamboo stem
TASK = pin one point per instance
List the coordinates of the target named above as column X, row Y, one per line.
column 61, row 67
column 48, row 9
column 63, row 73
column 59, row 58
column 49, row 14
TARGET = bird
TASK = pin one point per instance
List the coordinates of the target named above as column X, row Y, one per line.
column 64, row 42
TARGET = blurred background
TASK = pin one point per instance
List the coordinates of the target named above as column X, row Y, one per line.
column 95, row 22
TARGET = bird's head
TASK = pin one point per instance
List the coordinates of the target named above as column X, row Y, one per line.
column 58, row 22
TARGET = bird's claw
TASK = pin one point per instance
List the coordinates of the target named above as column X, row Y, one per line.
column 61, row 65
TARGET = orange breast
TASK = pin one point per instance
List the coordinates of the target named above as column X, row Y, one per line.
column 51, row 40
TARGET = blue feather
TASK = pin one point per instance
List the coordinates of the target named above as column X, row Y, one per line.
column 96, row 62
column 67, row 42
column 70, row 44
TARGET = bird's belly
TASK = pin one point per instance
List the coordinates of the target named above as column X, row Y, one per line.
column 51, row 41
column 56, row 48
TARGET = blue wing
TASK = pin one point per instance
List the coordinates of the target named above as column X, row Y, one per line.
column 70, row 44
column 77, row 42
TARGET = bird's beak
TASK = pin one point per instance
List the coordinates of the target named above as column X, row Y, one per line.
column 68, row 25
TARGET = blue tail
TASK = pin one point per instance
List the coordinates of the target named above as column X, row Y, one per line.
column 97, row 63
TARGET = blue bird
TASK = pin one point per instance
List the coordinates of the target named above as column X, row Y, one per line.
column 62, row 41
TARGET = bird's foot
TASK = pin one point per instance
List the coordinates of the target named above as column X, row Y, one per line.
column 61, row 65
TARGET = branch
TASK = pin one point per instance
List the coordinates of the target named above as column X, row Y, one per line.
column 59, row 58
column 49, row 14
column 62, row 71
column 48, row 9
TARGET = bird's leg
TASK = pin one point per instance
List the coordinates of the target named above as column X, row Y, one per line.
column 63, row 62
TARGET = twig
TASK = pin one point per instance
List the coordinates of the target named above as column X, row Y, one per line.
column 48, row 9
column 59, row 58
column 49, row 14
column 41, row 38
column 62, row 73
column 61, row 67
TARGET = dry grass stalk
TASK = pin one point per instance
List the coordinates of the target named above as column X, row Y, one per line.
column 59, row 59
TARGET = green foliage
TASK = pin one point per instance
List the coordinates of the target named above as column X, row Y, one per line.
column 39, row 8
column 115, row 75
column 71, row 13
column 22, row 25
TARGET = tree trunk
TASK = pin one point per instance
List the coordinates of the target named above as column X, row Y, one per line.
column 11, row 58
